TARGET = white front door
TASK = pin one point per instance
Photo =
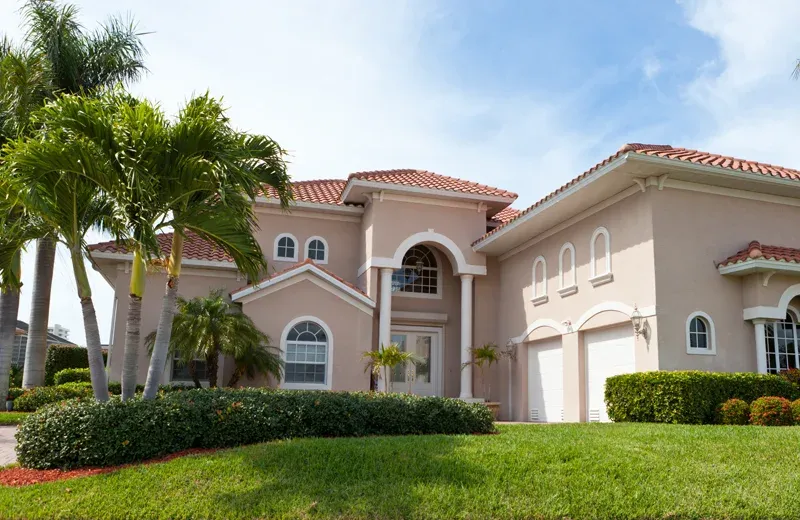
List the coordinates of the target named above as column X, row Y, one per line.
column 609, row 352
column 424, row 377
column 545, row 381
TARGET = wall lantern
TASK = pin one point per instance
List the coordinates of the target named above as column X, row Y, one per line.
column 637, row 320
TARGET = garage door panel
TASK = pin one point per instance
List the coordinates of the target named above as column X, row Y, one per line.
column 545, row 381
column 609, row 352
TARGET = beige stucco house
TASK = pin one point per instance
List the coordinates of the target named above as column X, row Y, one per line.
column 657, row 258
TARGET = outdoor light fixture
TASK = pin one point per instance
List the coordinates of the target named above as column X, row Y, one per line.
column 419, row 265
column 637, row 320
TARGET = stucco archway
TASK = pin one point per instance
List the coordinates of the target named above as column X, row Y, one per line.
column 445, row 245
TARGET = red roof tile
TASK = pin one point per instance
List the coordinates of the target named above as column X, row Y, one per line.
column 297, row 266
column 430, row 180
column 667, row 152
column 194, row 248
column 505, row 215
column 323, row 191
column 756, row 251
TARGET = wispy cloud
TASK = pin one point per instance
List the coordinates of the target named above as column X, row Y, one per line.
column 651, row 67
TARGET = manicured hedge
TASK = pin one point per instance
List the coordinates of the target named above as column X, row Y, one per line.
column 72, row 375
column 771, row 411
column 87, row 433
column 35, row 398
column 60, row 357
column 687, row 397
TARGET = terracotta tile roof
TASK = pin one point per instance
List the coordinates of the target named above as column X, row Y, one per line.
column 323, row 191
column 505, row 215
column 194, row 248
column 307, row 261
column 757, row 251
column 430, row 180
column 668, row 152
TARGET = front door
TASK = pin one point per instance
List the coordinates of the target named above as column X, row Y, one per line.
column 423, row 377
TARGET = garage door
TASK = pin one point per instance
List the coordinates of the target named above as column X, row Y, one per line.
column 609, row 352
column 546, row 381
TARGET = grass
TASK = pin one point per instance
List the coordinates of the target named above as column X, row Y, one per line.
column 12, row 418
column 575, row 471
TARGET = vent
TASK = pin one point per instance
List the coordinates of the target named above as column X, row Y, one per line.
column 594, row 415
column 562, row 415
column 534, row 415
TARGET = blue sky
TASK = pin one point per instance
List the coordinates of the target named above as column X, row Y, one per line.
column 523, row 95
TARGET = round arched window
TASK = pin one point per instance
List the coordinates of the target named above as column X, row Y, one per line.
column 419, row 274
column 306, row 354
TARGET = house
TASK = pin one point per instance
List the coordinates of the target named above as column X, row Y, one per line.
column 657, row 258
column 21, row 342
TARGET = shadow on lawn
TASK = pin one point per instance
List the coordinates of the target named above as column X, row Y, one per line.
column 375, row 477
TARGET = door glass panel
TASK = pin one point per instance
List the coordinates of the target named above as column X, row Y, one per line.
column 424, row 352
column 399, row 371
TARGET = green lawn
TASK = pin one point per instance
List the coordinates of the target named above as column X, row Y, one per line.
column 7, row 418
column 576, row 471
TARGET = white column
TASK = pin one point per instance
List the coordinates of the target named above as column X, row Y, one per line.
column 466, row 336
column 761, row 346
column 385, row 316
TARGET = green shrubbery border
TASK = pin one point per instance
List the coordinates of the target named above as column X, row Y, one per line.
column 687, row 397
column 60, row 357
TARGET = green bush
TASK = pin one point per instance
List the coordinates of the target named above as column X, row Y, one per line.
column 60, row 357
column 734, row 411
column 13, row 393
column 771, row 411
column 72, row 375
column 796, row 411
column 686, row 397
column 87, row 433
column 792, row 375
column 15, row 376
column 35, row 398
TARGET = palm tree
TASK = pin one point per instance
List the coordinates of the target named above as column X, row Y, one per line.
column 383, row 361
column 77, row 62
column 484, row 357
column 207, row 327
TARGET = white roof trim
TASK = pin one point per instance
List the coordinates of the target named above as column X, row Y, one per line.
column 185, row 261
column 319, row 206
column 377, row 186
column 305, row 268
column 753, row 266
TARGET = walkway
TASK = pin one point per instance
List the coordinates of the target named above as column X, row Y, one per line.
column 7, row 444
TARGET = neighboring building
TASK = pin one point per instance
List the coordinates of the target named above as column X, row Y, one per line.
column 660, row 237
column 21, row 342
column 59, row 330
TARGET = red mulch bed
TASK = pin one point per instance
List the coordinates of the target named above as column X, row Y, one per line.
column 16, row 476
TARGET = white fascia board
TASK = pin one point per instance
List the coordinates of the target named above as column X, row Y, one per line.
column 754, row 266
column 616, row 163
column 310, row 268
column 318, row 206
column 126, row 257
column 388, row 186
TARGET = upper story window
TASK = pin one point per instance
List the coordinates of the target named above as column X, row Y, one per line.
column 285, row 247
column 600, row 257
column 567, row 278
column 700, row 335
column 317, row 250
column 419, row 274
column 539, row 281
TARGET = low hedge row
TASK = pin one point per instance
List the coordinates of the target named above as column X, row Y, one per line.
column 72, row 375
column 686, row 397
column 60, row 357
column 86, row 433
column 35, row 398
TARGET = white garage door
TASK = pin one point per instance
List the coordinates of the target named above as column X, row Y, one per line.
column 546, row 381
column 609, row 352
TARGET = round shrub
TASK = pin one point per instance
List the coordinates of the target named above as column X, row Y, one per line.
column 796, row 411
column 771, row 411
column 86, row 433
column 72, row 375
column 792, row 375
column 734, row 411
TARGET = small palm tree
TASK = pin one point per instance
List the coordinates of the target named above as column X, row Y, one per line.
column 382, row 362
column 484, row 357
column 251, row 359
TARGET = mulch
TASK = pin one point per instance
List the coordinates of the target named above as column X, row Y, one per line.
column 17, row 477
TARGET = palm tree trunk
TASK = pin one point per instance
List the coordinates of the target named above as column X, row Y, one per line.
column 237, row 374
column 193, row 374
column 133, row 325
column 36, row 347
column 164, row 332
column 212, row 365
column 94, row 352
column 9, row 306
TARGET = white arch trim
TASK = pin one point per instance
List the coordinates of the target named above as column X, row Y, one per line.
column 454, row 254
column 592, row 268
column 774, row 313
column 611, row 306
column 571, row 248
column 538, row 324
column 286, row 258
column 712, row 335
column 540, row 298
column 324, row 243
column 328, row 365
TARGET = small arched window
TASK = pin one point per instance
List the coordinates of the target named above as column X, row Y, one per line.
column 539, row 281
column 567, row 279
column 285, row 248
column 306, row 348
column 600, row 257
column 317, row 250
column 419, row 274
column 700, row 335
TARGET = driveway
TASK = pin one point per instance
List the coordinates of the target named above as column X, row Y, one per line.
column 7, row 444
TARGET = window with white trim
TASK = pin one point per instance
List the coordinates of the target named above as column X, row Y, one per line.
column 782, row 344
column 317, row 250
column 419, row 274
column 285, row 247
column 306, row 354
column 181, row 371
column 600, row 257
column 539, row 280
column 700, row 334
column 567, row 279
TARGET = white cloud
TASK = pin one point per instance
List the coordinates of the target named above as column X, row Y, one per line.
column 651, row 67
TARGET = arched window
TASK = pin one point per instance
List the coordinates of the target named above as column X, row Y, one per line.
column 317, row 250
column 700, row 334
column 285, row 247
column 539, row 281
column 567, row 279
column 306, row 347
column 419, row 274
column 600, row 257
column 782, row 340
